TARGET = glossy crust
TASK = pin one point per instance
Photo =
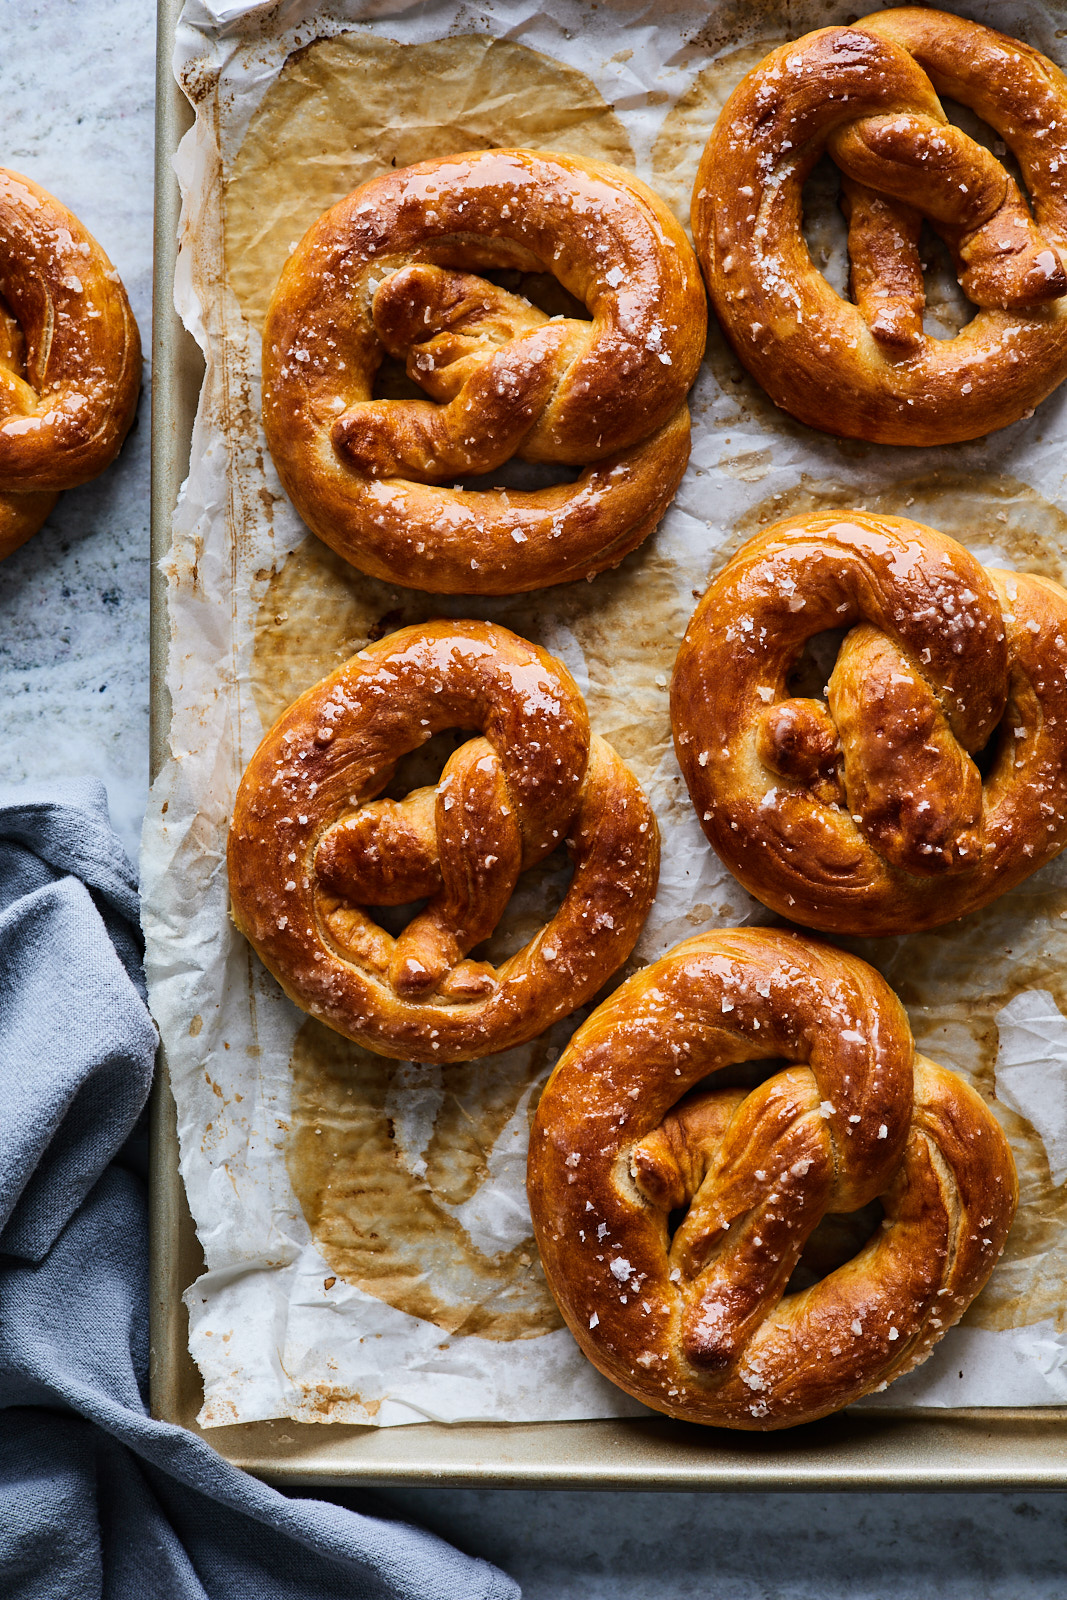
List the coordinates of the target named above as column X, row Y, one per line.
column 698, row 1325
column 394, row 268
column 868, row 93
column 70, row 357
column 868, row 814
column 310, row 847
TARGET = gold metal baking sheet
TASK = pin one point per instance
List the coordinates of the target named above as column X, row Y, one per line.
column 979, row 1448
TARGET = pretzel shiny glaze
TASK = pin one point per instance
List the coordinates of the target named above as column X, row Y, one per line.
column 869, row 814
column 394, row 269
column 70, row 357
column 868, row 94
column 700, row 1325
column 310, row 846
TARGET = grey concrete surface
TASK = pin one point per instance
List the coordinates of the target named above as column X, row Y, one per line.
column 567, row 1546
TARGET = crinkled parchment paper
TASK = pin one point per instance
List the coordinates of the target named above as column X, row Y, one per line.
column 364, row 1222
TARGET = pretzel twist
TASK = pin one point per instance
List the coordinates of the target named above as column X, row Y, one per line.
column 310, row 846
column 869, row 94
column 869, row 815
column 389, row 270
column 700, row 1325
column 70, row 357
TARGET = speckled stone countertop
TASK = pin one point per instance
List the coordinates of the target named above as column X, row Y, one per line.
column 76, row 79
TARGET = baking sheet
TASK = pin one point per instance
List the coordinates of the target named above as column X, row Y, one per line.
column 240, row 644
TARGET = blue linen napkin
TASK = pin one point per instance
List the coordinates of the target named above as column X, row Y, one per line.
column 96, row 1498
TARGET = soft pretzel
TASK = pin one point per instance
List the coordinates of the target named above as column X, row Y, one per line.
column 700, row 1325
column 869, row 814
column 394, row 268
column 868, row 93
column 70, row 357
column 310, row 846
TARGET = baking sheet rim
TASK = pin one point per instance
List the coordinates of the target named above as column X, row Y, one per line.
column 975, row 1448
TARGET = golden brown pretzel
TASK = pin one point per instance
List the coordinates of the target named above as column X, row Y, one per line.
column 310, row 847
column 394, row 268
column 869, row 94
column 869, row 815
column 697, row 1325
column 70, row 357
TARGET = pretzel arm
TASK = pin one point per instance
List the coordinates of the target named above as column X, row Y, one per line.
column 479, row 843
column 886, row 277
column 671, row 1163
column 966, row 193
column 1006, row 261
column 797, row 739
column 491, row 357
column 744, row 1234
column 480, row 429
column 911, row 785
column 384, row 855
column 444, row 324
column 17, row 396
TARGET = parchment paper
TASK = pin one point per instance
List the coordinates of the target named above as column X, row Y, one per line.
column 364, row 1222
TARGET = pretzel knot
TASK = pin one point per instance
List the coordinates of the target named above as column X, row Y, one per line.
column 389, row 270
column 70, row 357
column 869, row 94
column 310, row 846
column 869, row 814
column 702, row 1325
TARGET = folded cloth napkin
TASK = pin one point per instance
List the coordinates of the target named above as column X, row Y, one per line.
column 97, row 1499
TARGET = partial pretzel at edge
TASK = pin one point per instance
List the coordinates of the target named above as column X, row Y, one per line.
column 868, row 92
column 70, row 357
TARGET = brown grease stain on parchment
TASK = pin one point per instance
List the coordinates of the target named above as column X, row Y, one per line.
column 317, row 611
column 382, row 1225
column 732, row 20
column 687, row 126
column 319, row 1402
column 953, row 980
column 345, row 109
